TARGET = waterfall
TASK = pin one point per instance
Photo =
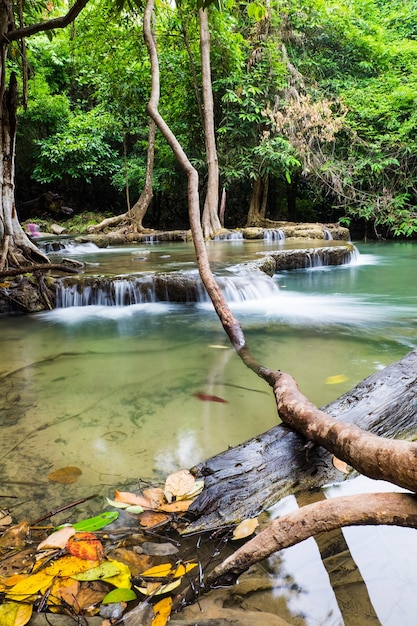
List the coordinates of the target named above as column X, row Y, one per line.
column 229, row 236
column 179, row 287
column 274, row 234
column 327, row 235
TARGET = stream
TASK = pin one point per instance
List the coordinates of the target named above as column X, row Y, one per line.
column 113, row 390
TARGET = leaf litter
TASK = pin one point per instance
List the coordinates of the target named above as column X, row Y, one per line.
column 116, row 565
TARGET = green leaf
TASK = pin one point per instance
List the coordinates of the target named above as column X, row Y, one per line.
column 95, row 523
column 104, row 570
column 119, row 595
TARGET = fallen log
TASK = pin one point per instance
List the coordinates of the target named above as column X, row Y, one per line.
column 244, row 480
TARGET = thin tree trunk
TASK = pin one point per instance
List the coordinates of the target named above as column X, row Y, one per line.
column 210, row 220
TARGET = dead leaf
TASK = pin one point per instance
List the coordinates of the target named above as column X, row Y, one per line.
column 137, row 563
column 340, row 465
column 245, row 528
column 58, row 539
column 85, row 546
column 178, row 506
column 65, row 475
column 159, row 549
column 149, row 519
column 15, row 613
column 5, row 518
column 155, row 495
column 15, row 537
column 63, row 591
column 132, row 498
column 157, row 589
column 162, row 610
column 180, row 483
column 90, row 596
column 19, row 563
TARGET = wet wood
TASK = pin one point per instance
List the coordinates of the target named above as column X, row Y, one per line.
column 242, row 481
column 394, row 509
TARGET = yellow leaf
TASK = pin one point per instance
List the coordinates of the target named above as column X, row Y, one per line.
column 15, row 613
column 69, row 565
column 157, row 589
column 245, row 528
column 336, row 380
column 122, row 579
column 162, row 611
column 105, row 570
column 30, row 586
column 180, row 483
column 166, row 569
column 159, row 571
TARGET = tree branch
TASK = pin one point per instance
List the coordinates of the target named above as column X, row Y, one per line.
column 57, row 22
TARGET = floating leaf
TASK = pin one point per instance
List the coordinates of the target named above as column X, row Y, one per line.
column 97, row 522
column 219, row 346
column 104, row 570
column 15, row 613
column 162, row 611
column 180, row 482
column 206, row 397
column 65, row 475
column 156, row 589
column 245, row 528
column 122, row 578
column 58, row 539
column 85, row 546
column 336, row 380
column 340, row 465
column 119, row 595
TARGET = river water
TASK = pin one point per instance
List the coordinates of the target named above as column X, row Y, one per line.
column 112, row 390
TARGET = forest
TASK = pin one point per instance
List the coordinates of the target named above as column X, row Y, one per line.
column 313, row 107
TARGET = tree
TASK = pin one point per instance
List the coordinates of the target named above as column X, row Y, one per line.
column 16, row 250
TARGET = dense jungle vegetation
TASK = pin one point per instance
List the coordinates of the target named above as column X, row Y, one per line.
column 314, row 111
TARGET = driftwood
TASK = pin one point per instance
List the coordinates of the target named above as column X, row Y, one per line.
column 242, row 481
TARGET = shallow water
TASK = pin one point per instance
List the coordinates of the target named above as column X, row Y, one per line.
column 111, row 389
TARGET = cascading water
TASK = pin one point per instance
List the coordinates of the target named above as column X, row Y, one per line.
column 274, row 234
column 230, row 236
column 328, row 235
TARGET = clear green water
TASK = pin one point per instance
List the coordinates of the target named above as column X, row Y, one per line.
column 110, row 389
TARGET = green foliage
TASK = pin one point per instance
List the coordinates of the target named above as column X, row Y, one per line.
column 83, row 150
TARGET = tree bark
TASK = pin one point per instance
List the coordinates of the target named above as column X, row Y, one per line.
column 393, row 509
column 242, row 481
column 210, row 220
column 258, row 200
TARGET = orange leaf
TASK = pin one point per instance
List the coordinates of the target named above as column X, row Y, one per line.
column 162, row 611
column 153, row 518
column 65, row 475
column 85, row 546
column 245, row 528
column 179, row 506
column 132, row 498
